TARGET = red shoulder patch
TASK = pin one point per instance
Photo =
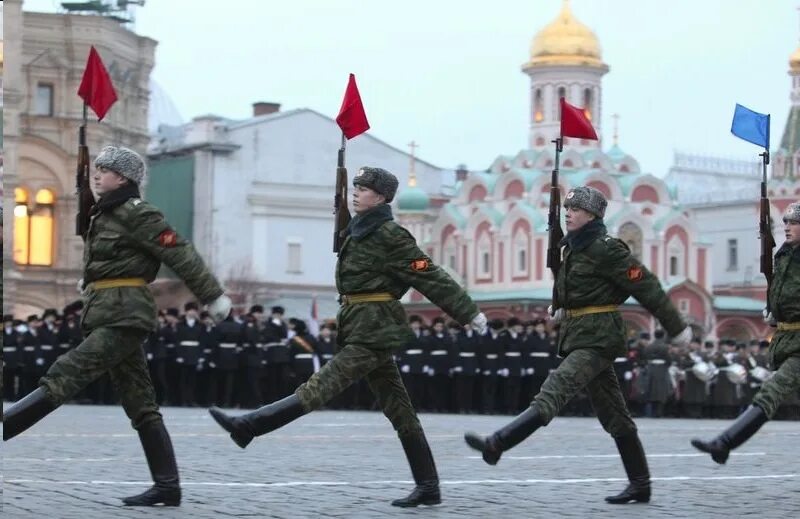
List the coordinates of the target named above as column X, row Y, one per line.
column 635, row 273
column 420, row 265
column 168, row 238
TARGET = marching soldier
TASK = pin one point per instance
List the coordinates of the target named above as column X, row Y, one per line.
column 723, row 393
column 31, row 355
column 326, row 344
column 252, row 356
column 378, row 262
column 512, row 366
column 540, row 353
column 695, row 392
column 597, row 275
column 48, row 334
column 784, row 350
column 172, row 393
column 206, row 390
column 126, row 242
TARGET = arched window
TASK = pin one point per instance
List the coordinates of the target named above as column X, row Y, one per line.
column 520, row 259
column 484, row 256
column 631, row 234
column 587, row 103
column 538, row 108
column 449, row 252
column 562, row 92
column 677, row 256
column 33, row 228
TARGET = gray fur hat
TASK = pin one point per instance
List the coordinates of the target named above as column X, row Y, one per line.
column 120, row 160
column 588, row 199
column 792, row 213
column 379, row 180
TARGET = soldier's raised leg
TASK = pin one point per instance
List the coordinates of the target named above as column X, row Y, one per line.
column 572, row 375
column 785, row 382
column 348, row 366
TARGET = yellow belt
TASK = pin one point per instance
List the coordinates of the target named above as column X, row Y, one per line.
column 377, row 297
column 788, row 327
column 117, row 282
column 586, row 310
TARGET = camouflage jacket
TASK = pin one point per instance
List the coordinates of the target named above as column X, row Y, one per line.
column 784, row 301
column 599, row 270
column 129, row 238
column 381, row 256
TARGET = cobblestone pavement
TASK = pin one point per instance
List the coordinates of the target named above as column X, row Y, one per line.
column 81, row 459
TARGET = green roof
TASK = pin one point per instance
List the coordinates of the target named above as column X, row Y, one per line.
column 413, row 199
column 492, row 213
column 453, row 211
column 539, row 221
column 615, row 153
column 661, row 222
column 746, row 304
column 489, row 179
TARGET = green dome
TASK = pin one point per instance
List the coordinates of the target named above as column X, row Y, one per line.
column 413, row 199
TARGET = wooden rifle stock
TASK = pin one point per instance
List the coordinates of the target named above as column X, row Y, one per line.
column 83, row 191
column 767, row 240
column 340, row 210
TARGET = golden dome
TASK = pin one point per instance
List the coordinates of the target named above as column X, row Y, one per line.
column 794, row 61
column 566, row 41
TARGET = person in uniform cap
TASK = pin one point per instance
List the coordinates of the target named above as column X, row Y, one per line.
column 602, row 275
column 378, row 262
column 125, row 245
column 783, row 313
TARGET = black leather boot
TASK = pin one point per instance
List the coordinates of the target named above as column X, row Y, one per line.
column 633, row 458
column 424, row 471
column 748, row 423
column 23, row 414
column 163, row 468
column 509, row 436
column 261, row 421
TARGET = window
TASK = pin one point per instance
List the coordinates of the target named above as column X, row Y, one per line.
column 587, row 103
column 522, row 260
column 538, row 116
column 33, row 228
column 733, row 254
column 673, row 265
column 631, row 234
column 43, row 103
column 683, row 306
column 294, row 261
column 451, row 260
column 485, row 263
column 519, row 260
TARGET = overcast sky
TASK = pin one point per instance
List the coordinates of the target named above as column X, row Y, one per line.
column 447, row 74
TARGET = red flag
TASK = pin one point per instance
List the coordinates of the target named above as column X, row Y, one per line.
column 96, row 89
column 574, row 123
column 352, row 119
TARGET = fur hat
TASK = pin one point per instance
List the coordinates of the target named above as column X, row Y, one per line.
column 792, row 213
column 123, row 161
column 587, row 198
column 379, row 180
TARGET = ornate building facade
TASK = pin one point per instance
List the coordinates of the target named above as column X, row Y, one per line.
column 492, row 235
column 41, row 115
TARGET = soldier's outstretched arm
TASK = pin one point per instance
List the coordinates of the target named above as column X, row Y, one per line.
column 627, row 272
column 152, row 233
column 407, row 263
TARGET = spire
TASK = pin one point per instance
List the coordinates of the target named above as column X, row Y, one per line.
column 412, row 174
column 616, row 128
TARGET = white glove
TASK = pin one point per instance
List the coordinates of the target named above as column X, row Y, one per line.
column 531, row 371
column 683, row 338
column 769, row 318
column 405, row 368
column 149, row 356
column 431, row 372
column 503, row 372
column 425, row 368
column 220, row 308
column 628, row 375
column 79, row 286
column 479, row 323
column 556, row 315
column 179, row 360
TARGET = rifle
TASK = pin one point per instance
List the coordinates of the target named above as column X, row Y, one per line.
column 340, row 210
column 82, row 189
column 555, row 233
column 765, row 228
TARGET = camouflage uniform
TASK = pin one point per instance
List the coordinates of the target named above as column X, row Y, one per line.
column 128, row 240
column 379, row 260
column 384, row 259
column 784, row 350
column 597, row 271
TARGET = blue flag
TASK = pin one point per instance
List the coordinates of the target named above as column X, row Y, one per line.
column 751, row 126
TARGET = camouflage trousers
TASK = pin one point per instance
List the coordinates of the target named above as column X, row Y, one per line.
column 780, row 387
column 587, row 368
column 117, row 351
column 352, row 363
